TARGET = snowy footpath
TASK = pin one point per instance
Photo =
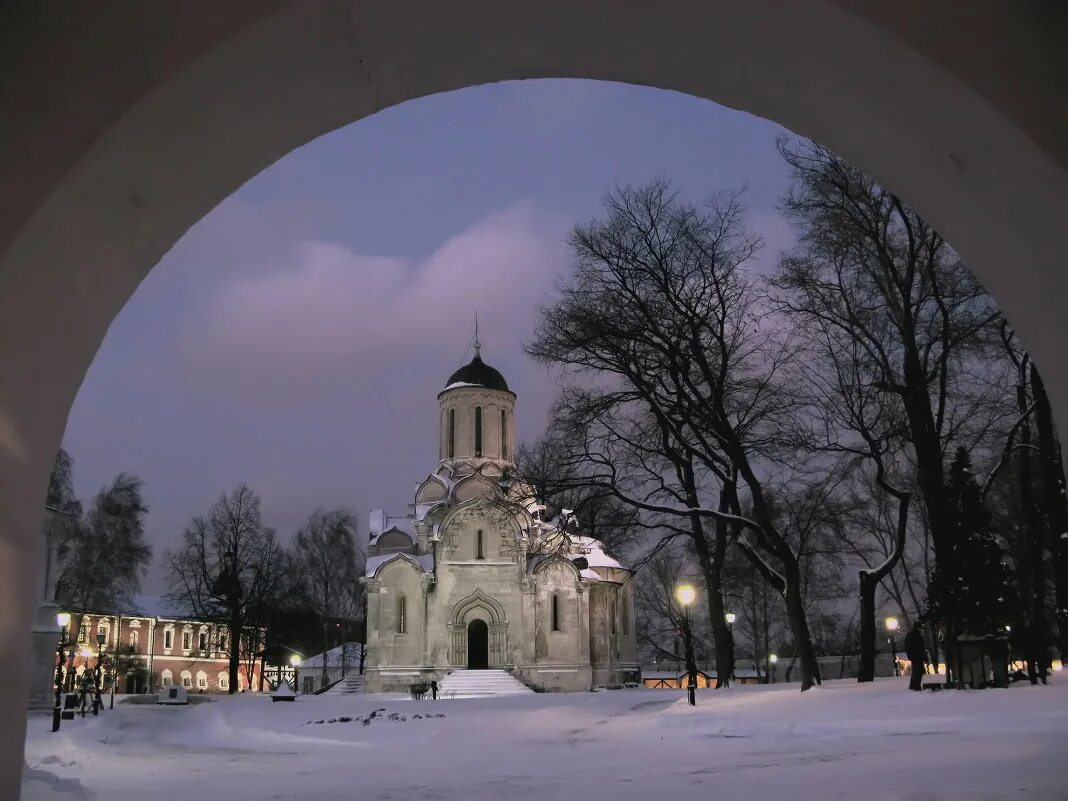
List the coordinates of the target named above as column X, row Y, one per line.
column 841, row 741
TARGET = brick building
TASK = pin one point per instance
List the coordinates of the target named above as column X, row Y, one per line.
column 154, row 651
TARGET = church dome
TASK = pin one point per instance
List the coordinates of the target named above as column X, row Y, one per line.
column 478, row 373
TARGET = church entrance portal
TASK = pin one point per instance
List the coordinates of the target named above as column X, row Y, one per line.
column 477, row 645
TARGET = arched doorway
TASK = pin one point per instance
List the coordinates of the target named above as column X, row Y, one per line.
column 477, row 645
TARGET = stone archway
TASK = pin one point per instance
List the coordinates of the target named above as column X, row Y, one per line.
column 482, row 608
column 126, row 123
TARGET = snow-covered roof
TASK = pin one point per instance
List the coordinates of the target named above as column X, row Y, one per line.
column 457, row 384
column 381, row 523
column 594, row 552
column 424, row 560
column 346, row 653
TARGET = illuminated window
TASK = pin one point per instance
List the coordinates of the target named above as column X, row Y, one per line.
column 133, row 640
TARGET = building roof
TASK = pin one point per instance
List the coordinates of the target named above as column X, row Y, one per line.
column 479, row 374
column 423, row 560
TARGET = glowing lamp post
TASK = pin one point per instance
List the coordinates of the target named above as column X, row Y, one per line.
column 62, row 620
column 891, row 627
column 296, row 661
column 686, row 595
column 772, row 659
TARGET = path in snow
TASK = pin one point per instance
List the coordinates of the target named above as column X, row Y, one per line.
column 841, row 741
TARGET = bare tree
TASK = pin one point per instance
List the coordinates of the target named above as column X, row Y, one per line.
column 874, row 271
column 231, row 570
column 659, row 307
column 328, row 566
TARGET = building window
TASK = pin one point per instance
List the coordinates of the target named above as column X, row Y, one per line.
column 478, row 431
column 187, row 640
column 612, row 616
column 624, row 613
column 224, row 680
column 83, row 632
column 478, row 552
column 556, row 612
column 187, row 679
column 222, row 643
column 203, row 644
column 104, row 628
column 402, row 615
column 167, row 678
column 168, row 638
column 504, row 434
column 452, row 433
column 134, row 636
column 202, row 680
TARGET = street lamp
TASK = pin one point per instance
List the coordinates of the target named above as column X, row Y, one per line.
column 772, row 659
column 296, row 661
column 891, row 627
column 730, row 617
column 62, row 620
column 686, row 595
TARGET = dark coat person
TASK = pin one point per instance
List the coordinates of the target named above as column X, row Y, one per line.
column 916, row 651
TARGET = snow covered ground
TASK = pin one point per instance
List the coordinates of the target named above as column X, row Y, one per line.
column 848, row 741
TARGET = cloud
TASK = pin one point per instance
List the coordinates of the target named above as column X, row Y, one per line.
column 306, row 322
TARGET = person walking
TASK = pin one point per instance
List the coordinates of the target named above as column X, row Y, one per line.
column 916, row 651
column 434, row 690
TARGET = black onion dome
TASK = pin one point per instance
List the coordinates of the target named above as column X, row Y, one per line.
column 479, row 373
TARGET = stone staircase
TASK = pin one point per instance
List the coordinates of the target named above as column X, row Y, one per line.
column 464, row 683
column 350, row 685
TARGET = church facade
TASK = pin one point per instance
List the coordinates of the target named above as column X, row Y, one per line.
column 474, row 578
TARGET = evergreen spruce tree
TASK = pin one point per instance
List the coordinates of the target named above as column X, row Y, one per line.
column 973, row 586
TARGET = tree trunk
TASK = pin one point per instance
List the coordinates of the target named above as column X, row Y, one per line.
column 795, row 608
column 866, row 670
column 1054, row 503
column 235, row 652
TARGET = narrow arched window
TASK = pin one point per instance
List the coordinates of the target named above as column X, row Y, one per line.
column 624, row 614
column 478, row 431
column 402, row 615
column 556, row 612
column 612, row 616
column 504, row 434
column 452, row 433
column 478, row 548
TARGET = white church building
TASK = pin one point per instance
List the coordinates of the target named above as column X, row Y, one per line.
column 473, row 578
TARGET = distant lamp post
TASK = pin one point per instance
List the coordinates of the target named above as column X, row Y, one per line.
column 772, row 659
column 891, row 627
column 730, row 617
column 62, row 620
column 296, row 661
column 686, row 595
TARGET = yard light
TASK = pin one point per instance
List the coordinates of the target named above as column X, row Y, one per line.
column 62, row 620
column 1057, row 665
column 891, row 627
column 731, row 617
column 772, row 659
column 85, row 652
column 296, row 660
column 686, row 595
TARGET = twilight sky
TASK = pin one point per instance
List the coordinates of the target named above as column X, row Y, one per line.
column 297, row 337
